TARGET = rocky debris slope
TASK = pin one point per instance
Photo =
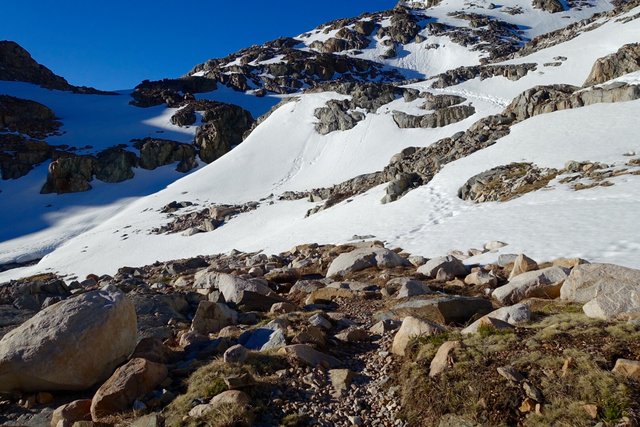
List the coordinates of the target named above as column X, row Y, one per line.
column 18, row 65
column 27, row 117
column 325, row 335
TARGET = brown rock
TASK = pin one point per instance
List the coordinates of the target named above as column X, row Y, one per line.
column 78, row 410
column 132, row 380
column 628, row 368
column 591, row 410
column 522, row 264
column 412, row 327
column 443, row 358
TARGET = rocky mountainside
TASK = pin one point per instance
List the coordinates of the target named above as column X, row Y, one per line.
column 435, row 201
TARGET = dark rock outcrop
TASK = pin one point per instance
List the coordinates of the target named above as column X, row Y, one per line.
column 27, row 117
column 170, row 91
column 16, row 64
column 223, row 128
column 18, row 155
column 115, row 165
column 70, row 174
column 155, row 152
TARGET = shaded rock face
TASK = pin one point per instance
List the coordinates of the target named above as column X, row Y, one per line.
column 115, row 165
column 507, row 182
column 69, row 175
column 440, row 118
column 223, row 128
column 169, row 91
column 27, row 117
column 155, row 152
column 18, row 155
column 625, row 60
column 19, row 66
column 69, row 346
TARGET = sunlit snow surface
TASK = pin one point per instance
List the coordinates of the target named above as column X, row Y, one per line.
column 285, row 153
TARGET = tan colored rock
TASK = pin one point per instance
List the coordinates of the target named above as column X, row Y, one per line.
column 311, row 335
column 545, row 283
column 70, row 345
column 309, row 356
column 329, row 294
column 66, row 415
column 129, row 382
column 443, row 358
column 283, row 308
column 210, row 317
column 481, row 278
column 353, row 335
column 628, row 368
column 230, row 397
column 528, row 405
column 591, row 410
column 341, row 380
column 569, row 262
column 410, row 328
column 522, row 264
column 486, row 321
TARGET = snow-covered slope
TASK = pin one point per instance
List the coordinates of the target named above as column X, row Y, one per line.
column 286, row 153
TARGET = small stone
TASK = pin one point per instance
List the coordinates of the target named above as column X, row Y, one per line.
column 510, row 373
column 236, row 355
column 591, row 410
column 443, row 358
column 568, row 364
column 533, row 392
column 318, row 320
column 353, row 335
column 528, row 405
column 283, row 308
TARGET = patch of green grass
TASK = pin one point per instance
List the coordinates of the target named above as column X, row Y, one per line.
column 295, row 420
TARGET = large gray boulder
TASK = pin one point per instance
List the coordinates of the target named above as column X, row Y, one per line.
column 543, row 283
column 71, row 345
column 231, row 287
column 607, row 290
column 362, row 258
column 587, row 281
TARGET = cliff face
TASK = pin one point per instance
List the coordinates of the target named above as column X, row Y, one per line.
column 16, row 64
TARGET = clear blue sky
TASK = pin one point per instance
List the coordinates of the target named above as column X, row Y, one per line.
column 116, row 44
